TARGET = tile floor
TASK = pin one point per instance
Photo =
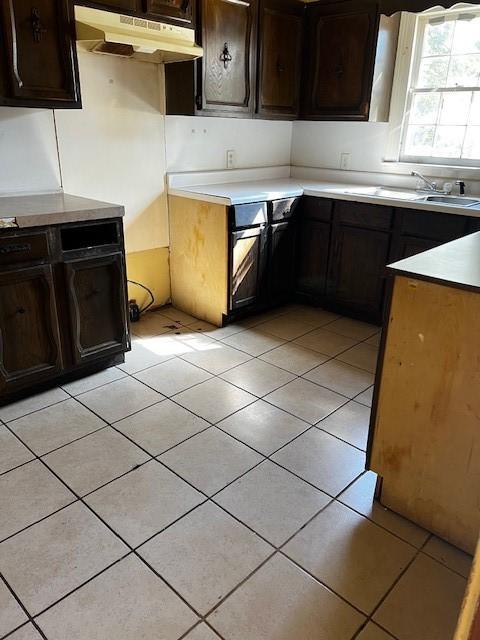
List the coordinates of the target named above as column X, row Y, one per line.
column 213, row 486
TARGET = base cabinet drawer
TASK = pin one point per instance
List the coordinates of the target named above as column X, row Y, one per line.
column 30, row 348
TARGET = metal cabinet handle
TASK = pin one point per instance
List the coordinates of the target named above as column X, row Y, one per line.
column 225, row 56
column 15, row 248
column 37, row 27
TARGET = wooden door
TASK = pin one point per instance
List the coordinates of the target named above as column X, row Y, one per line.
column 41, row 62
column 357, row 268
column 98, row 306
column 313, row 242
column 178, row 10
column 280, row 58
column 30, row 349
column 248, row 260
column 281, row 264
column 340, row 57
column 227, row 76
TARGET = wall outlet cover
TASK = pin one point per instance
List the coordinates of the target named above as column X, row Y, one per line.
column 230, row 159
column 345, row 159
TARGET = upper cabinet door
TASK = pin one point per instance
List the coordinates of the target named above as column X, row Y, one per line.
column 39, row 48
column 114, row 5
column 340, row 57
column 179, row 10
column 228, row 33
column 280, row 58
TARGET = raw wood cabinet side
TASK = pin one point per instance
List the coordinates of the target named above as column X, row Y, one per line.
column 426, row 443
column 199, row 258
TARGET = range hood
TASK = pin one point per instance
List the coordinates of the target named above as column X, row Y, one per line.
column 128, row 36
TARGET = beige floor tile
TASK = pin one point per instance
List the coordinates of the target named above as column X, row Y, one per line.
column 323, row 460
column 425, row 603
column 214, row 400
column 152, row 324
column 55, row 426
column 325, row 342
column 285, row 327
column 260, row 318
column 28, row 494
column 12, row 452
column 127, row 602
column 94, row 460
column 349, row 423
column 94, row 381
column 306, row 400
column 172, row 377
column 353, row 328
column 272, row 502
column 144, row 354
column 11, row 613
column 363, row 356
column 33, row 403
column 178, row 316
column 258, row 377
column 55, row 556
column 372, row 632
column 366, row 397
column 449, row 555
column 143, row 502
column 218, row 333
column 202, row 632
column 161, row 426
column 354, row 557
column 263, row 427
column 205, row 555
column 210, row 460
column 253, row 342
column 294, row 358
column 313, row 316
column 28, row 632
column 375, row 339
column 281, row 602
column 341, row 377
column 359, row 496
column 217, row 357
column 121, row 399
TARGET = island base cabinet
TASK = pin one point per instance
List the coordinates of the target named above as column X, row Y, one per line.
column 424, row 435
column 30, row 347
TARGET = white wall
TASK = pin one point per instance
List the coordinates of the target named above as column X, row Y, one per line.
column 201, row 143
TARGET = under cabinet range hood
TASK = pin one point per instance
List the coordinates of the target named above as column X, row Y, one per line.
column 128, row 36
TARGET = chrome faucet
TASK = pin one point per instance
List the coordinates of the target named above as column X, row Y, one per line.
column 430, row 187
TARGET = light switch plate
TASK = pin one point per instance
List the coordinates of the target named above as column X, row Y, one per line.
column 345, row 160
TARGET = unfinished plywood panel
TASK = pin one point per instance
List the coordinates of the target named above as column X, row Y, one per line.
column 427, row 429
column 199, row 258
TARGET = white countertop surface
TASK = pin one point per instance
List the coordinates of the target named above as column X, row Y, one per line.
column 53, row 208
column 234, row 193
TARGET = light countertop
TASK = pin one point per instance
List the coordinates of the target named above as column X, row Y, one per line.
column 53, row 208
column 455, row 264
column 235, row 193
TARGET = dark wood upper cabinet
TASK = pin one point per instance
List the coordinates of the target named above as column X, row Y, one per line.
column 128, row 6
column 182, row 11
column 39, row 55
column 279, row 58
column 339, row 57
column 228, row 65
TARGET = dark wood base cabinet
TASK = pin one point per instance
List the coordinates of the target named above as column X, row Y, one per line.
column 63, row 310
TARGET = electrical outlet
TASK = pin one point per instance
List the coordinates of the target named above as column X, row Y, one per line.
column 231, row 159
column 345, row 161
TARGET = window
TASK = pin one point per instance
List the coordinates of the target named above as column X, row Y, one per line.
column 440, row 119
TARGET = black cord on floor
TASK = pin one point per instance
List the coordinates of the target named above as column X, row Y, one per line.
column 142, row 286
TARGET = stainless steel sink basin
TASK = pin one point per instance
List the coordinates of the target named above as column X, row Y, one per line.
column 451, row 200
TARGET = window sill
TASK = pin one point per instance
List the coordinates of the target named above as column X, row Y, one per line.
column 432, row 170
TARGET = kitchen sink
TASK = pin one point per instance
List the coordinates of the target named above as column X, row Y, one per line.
column 450, row 200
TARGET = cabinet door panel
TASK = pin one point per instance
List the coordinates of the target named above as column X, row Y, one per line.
column 29, row 332
column 98, row 306
column 280, row 58
column 357, row 268
column 39, row 37
column 281, row 266
column 228, row 33
column 178, row 10
column 313, row 242
column 247, row 267
column 340, row 58
column 114, row 5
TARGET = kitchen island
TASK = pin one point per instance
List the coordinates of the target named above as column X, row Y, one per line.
column 425, row 428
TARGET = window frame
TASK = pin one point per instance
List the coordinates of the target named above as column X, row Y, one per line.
column 406, row 68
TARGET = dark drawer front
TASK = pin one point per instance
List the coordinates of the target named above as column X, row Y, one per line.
column 283, row 209
column 367, row 216
column 249, row 215
column 23, row 248
column 317, row 208
column 433, row 226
